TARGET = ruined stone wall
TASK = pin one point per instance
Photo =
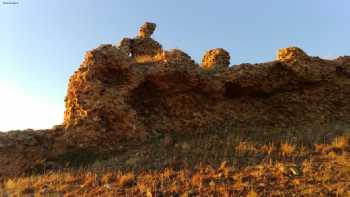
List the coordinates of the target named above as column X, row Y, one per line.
column 126, row 99
column 115, row 97
column 25, row 152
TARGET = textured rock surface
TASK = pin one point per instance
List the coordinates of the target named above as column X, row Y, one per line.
column 24, row 152
column 143, row 45
column 292, row 54
column 147, row 30
column 125, row 99
column 114, row 97
column 216, row 58
column 175, row 57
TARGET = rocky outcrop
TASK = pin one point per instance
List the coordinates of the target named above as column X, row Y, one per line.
column 147, row 30
column 216, row 58
column 142, row 45
column 113, row 97
column 291, row 54
column 117, row 96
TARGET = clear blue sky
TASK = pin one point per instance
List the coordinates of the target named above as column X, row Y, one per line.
column 42, row 42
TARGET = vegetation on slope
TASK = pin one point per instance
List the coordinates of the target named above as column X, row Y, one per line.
column 217, row 162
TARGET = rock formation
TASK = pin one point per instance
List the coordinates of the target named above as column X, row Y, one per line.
column 292, row 54
column 142, row 45
column 216, row 58
column 147, row 30
column 114, row 97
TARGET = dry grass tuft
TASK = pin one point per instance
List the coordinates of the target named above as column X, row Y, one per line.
column 126, row 180
column 287, row 149
column 341, row 142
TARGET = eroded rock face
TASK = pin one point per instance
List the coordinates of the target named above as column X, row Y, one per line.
column 216, row 58
column 96, row 97
column 123, row 99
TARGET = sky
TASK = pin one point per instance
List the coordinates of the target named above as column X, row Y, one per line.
column 43, row 42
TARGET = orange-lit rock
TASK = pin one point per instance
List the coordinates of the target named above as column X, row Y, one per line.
column 147, row 30
column 25, row 152
column 175, row 57
column 291, row 54
column 143, row 45
column 113, row 98
column 216, row 58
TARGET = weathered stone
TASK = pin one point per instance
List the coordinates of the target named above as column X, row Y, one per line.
column 125, row 46
column 6, row 144
column 175, row 57
column 291, row 54
column 23, row 137
column 147, row 30
column 112, row 97
column 24, row 151
column 142, row 46
column 216, row 58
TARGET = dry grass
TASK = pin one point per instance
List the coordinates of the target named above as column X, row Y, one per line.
column 341, row 142
column 221, row 163
column 287, row 149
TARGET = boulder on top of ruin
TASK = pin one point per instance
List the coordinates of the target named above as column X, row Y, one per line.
column 216, row 58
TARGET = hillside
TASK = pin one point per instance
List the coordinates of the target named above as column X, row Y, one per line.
column 144, row 121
